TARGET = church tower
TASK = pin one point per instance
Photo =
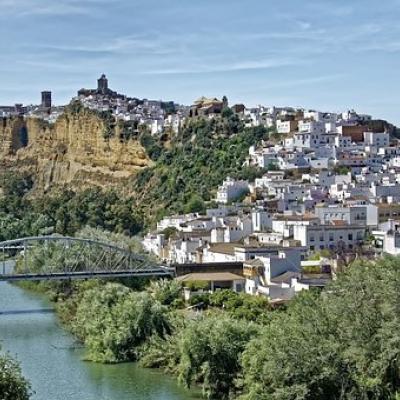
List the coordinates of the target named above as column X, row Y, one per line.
column 102, row 84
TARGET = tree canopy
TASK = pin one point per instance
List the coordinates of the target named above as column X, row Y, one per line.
column 343, row 344
column 124, row 320
column 13, row 386
column 62, row 211
column 197, row 160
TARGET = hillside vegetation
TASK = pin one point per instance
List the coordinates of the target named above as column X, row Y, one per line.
column 63, row 211
column 190, row 167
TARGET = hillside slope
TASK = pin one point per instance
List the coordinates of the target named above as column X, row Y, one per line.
column 195, row 162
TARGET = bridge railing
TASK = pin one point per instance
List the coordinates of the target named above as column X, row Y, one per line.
column 62, row 257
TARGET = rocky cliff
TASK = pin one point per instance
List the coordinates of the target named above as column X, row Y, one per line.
column 80, row 149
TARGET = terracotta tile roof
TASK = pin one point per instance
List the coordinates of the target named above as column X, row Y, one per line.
column 339, row 222
column 254, row 263
column 210, row 276
column 223, row 248
column 285, row 277
column 303, row 217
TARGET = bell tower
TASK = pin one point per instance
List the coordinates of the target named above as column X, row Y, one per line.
column 102, row 84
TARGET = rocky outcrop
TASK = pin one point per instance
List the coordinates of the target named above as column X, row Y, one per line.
column 78, row 149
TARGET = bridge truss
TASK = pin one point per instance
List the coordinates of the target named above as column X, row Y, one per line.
column 60, row 257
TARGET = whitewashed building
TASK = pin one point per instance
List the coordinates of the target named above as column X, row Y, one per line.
column 231, row 190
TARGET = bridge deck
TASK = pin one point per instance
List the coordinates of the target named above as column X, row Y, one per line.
column 87, row 275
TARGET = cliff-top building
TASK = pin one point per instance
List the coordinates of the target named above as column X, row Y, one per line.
column 207, row 106
column 102, row 89
column 102, row 84
column 46, row 99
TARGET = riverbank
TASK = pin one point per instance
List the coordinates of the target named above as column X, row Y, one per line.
column 153, row 327
column 344, row 343
column 200, row 349
column 52, row 361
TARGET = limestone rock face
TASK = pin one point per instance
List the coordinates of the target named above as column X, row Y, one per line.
column 74, row 150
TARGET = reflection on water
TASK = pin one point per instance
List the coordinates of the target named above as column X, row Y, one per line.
column 52, row 362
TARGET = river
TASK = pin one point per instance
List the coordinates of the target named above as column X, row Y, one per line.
column 50, row 360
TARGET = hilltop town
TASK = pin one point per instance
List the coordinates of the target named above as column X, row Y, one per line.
column 199, row 200
column 329, row 193
column 325, row 189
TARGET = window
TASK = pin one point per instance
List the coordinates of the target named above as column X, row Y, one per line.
column 350, row 236
column 239, row 287
column 331, row 237
column 312, row 238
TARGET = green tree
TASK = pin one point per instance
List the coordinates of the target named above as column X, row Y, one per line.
column 13, row 386
column 242, row 305
column 123, row 321
column 169, row 232
column 195, row 205
column 165, row 291
column 341, row 170
column 272, row 167
column 344, row 344
column 196, row 161
column 226, row 112
column 209, row 353
column 153, row 149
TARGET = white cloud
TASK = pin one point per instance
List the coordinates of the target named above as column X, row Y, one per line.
column 386, row 46
column 47, row 7
column 304, row 25
column 123, row 45
column 330, row 8
column 235, row 66
column 306, row 81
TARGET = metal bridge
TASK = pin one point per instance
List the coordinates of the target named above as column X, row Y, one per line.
column 60, row 258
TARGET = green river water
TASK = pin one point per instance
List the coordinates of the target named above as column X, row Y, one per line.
column 50, row 360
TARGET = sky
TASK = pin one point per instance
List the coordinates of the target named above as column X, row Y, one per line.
column 328, row 55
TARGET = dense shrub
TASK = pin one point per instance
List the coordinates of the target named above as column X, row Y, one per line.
column 344, row 344
column 113, row 322
column 13, row 386
column 165, row 291
column 241, row 305
column 198, row 159
column 204, row 351
column 64, row 212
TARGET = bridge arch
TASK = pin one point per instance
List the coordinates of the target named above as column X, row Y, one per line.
column 64, row 257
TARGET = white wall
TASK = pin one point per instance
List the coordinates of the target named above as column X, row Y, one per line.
column 261, row 220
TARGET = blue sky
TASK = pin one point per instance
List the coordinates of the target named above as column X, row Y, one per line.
column 329, row 55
